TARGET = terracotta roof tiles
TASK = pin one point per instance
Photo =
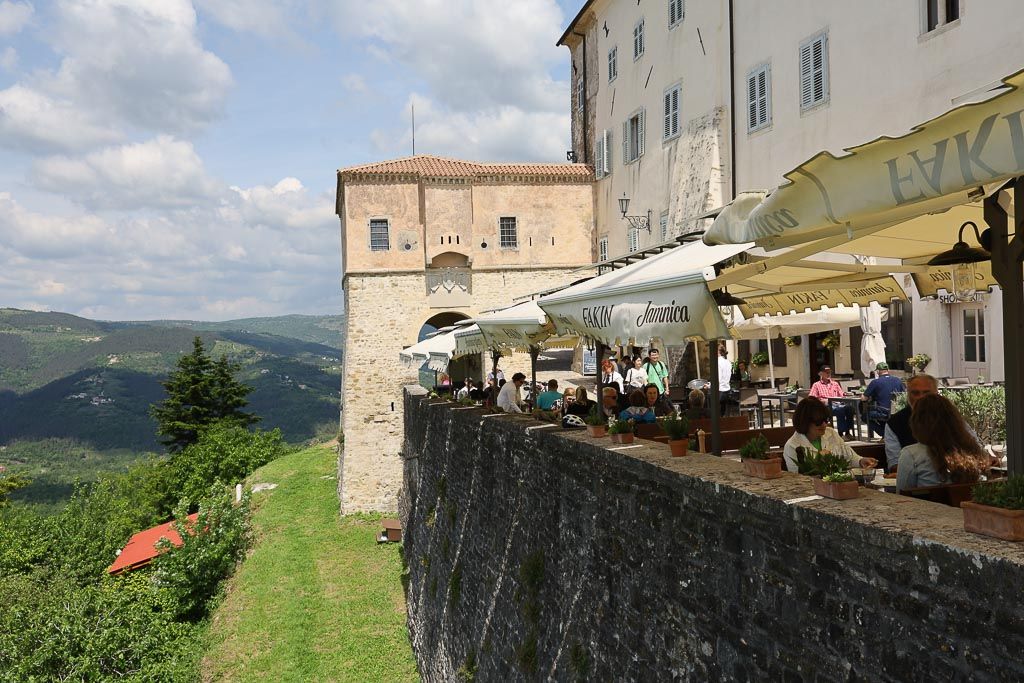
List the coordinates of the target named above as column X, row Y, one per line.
column 440, row 167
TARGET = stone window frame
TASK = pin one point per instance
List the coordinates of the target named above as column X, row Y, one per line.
column 672, row 111
column 941, row 20
column 508, row 233
column 807, row 72
column 634, row 129
column 374, row 241
column 755, row 122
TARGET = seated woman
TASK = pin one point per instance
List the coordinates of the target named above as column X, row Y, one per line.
column 812, row 431
column 695, row 405
column 656, row 402
column 638, row 411
column 945, row 452
column 581, row 405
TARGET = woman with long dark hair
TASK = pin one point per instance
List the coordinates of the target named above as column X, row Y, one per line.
column 945, row 451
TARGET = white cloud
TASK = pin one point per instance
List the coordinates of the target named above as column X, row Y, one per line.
column 50, row 288
column 30, row 120
column 45, row 236
column 163, row 172
column 14, row 16
column 9, row 59
column 472, row 53
column 266, row 18
column 504, row 133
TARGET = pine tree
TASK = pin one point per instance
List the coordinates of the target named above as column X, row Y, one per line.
column 201, row 391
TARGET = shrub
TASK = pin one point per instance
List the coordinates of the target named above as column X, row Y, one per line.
column 984, row 408
column 595, row 417
column 618, row 426
column 760, row 358
column 225, row 453
column 1006, row 493
column 211, row 546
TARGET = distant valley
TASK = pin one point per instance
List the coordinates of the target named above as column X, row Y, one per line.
column 75, row 393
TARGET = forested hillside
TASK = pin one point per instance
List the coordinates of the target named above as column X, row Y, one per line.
column 75, row 393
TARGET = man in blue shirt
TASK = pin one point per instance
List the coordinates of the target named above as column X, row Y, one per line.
column 880, row 391
column 546, row 399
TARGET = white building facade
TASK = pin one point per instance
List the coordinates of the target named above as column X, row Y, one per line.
column 679, row 105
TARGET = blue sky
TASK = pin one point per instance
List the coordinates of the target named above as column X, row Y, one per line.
column 176, row 158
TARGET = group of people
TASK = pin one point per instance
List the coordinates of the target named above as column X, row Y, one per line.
column 927, row 443
column 636, row 372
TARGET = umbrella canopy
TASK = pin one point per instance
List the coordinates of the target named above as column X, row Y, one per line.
column 940, row 164
column 443, row 342
column 520, row 327
column 796, row 324
column 664, row 297
column 872, row 345
column 469, row 340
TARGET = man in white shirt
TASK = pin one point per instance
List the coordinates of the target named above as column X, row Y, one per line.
column 724, row 376
column 509, row 398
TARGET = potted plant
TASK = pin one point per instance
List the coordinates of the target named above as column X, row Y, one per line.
column 760, row 358
column 832, row 340
column 832, row 478
column 621, row 431
column 997, row 509
column 756, row 463
column 597, row 424
column 677, row 427
column 919, row 361
column 838, row 485
column 792, row 341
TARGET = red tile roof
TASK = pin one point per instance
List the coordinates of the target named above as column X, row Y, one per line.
column 141, row 548
column 440, row 167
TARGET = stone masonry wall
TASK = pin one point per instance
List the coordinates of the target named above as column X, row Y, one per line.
column 384, row 313
column 539, row 554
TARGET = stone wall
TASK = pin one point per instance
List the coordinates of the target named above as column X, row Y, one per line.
column 539, row 554
column 384, row 313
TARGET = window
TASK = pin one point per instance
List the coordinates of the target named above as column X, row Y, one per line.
column 671, row 121
column 675, row 12
column 613, row 63
column 759, row 109
column 633, row 137
column 580, row 92
column 603, row 154
column 602, row 249
column 664, row 225
column 940, row 12
column 507, row 237
column 814, row 72
column 638, row 40
column 380, row 239
column 634, row 239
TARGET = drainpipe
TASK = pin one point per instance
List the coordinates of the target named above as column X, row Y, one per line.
column 586, row 133
column 732, row 104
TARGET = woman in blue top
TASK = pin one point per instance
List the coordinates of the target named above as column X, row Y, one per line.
column 945, row 451
column 638, row 411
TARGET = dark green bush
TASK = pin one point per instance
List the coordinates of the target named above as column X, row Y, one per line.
column 1006, row 493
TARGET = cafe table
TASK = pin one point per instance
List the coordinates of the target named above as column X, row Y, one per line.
column 854, row 403
column 781, row 398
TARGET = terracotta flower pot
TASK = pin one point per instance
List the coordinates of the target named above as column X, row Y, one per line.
column 992, row 521
column 679, row 447
column 625, row 437
column 841, row 491
column 763, row 469
column 597, row 431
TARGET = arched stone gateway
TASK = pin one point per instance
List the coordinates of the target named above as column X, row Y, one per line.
column 432, row 241
column 460, row 368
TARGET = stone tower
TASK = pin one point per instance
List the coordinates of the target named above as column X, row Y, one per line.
column 427, row 240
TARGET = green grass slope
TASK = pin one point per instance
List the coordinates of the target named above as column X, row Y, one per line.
column 317, row 599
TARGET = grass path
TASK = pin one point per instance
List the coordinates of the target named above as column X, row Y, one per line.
column 317, row 599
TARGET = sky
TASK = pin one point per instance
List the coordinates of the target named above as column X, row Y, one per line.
column 176, row 159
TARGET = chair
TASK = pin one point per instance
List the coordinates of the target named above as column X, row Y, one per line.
column 946, row 494
column 848, row 384
column 770, row 406
column 748, row 404
column 801, row 394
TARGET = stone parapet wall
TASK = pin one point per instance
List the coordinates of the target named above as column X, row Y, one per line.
column 539, row 554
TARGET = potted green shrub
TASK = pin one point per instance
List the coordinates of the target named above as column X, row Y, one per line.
column 760, row 358
column 997, row 509
column 621, row 431
column 756, row 463
column 831, row 472
column 597, row 424
column 832, row 340
column 677, row 427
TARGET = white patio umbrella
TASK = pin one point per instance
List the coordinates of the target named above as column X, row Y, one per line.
column 872, row 345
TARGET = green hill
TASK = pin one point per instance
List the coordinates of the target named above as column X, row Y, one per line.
column 72, row 385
